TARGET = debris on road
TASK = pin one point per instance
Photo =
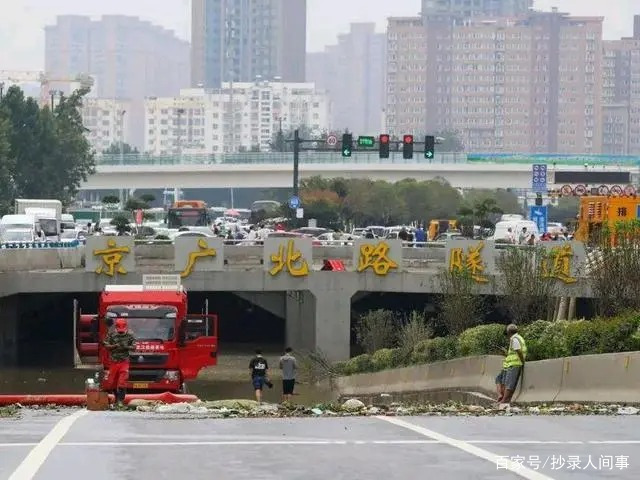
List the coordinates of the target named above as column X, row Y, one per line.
column 241, row 408
column 355, row 407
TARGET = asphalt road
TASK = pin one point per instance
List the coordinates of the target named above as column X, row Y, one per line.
column 83, row 445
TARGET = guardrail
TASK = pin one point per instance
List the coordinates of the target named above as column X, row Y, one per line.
column 32, row 245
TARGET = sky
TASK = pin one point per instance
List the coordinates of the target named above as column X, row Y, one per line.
column 22, row 21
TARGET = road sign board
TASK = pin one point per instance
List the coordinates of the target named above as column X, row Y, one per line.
column 539, row 177
column 332, row 140
column 538, row 214
column 366, row 141
column 294, row 202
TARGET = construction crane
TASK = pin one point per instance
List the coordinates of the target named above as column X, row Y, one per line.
column 18, row 77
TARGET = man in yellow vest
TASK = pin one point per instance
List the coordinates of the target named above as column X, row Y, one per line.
column 512, row 365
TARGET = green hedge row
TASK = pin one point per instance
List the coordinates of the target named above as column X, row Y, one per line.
column 544, row 340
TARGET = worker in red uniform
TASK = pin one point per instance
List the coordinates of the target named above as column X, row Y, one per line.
column 120, row 343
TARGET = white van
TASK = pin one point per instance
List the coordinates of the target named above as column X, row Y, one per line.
column 502, row 229
column 67, row 222
column 19, row 222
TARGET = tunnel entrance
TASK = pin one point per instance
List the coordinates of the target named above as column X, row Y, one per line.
column 41, row 325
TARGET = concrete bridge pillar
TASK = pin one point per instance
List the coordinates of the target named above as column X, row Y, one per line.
column 300, row 320
column 9, row 331
column 319, row 322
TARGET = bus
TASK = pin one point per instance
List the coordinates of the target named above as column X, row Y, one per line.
column 188, row 213
column 264, row 209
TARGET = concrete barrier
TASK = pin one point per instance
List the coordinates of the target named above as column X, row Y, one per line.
column 607, row 378
column 540, row 381
column 601, row 378
column 473, row 373
column 15, row 260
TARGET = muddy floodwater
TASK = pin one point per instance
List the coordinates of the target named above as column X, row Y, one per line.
column 229, row 379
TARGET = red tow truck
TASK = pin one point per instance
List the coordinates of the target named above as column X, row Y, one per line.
column 172, row 346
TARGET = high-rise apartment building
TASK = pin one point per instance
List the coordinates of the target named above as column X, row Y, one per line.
column 621, row 94
column 106, row 121
column 353, row 74
column 130, row 59
column 241, row 40
column 199, row 121
column 526, row 84
column 475, row 8
column 406, row 84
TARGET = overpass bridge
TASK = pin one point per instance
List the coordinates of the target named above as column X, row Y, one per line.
column 275, row 170
column 315, row 303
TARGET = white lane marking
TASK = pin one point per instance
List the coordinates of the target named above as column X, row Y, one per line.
column 38, row 455
column 9, row 445
column 614, row 442
column 509, row 465
column 525, row 442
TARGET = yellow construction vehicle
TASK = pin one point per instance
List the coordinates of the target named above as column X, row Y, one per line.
column 437, row 227
column 604, row 212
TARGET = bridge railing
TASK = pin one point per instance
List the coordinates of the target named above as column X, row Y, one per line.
column 278, row 158
column 365, row 158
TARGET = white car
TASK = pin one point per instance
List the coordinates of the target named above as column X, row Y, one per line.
column 193, row 233
column 70, row 236
column 18, row 235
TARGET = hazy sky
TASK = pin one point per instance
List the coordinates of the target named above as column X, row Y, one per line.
column 22, row 21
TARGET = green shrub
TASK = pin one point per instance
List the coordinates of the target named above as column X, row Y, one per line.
column 482, row 340
column 359, row 364
column 399, row 358
column 552, row 343
column 435, row 350
column 339, row 368
column 532, row 335
column 581, row 338
column 618, row 334
column 382, row 359
column 376, row 329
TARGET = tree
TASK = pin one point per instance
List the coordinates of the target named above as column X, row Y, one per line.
column 50, row 154
column 324, row 206
column 110, row 200
column 282, row 141
column 451, row 142
column 481, row 212
column 148, row 199
column 7, row 167
column 121, row 224
column 117, row 148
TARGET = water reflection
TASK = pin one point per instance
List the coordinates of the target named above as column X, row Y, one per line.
column 230, row 379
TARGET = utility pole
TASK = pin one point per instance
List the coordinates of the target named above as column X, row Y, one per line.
column 296, row 160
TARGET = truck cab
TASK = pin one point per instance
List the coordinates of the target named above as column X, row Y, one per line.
column 172, row 346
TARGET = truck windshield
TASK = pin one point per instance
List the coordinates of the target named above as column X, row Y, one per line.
column 187, row 217
column 148, row 324
column 148, row 329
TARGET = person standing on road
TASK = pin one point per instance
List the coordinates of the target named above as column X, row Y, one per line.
column 120, row 343
column 512, row 365
column 259, row 368
column 289, row 367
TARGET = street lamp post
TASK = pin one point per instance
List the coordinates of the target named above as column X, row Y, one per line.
column 122, row 113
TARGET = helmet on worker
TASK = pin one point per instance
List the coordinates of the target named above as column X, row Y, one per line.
column 121, row 325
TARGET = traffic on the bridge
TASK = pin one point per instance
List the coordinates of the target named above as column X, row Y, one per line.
column 291, row 239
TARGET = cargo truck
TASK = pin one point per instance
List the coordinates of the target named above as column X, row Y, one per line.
column 172, row 346
column 48, row 214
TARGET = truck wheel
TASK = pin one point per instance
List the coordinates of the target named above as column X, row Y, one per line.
column 183, row 388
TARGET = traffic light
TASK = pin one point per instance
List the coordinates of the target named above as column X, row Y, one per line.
column 407, row 147
column 347, row 144
column 429, row 147
column 384, row 145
